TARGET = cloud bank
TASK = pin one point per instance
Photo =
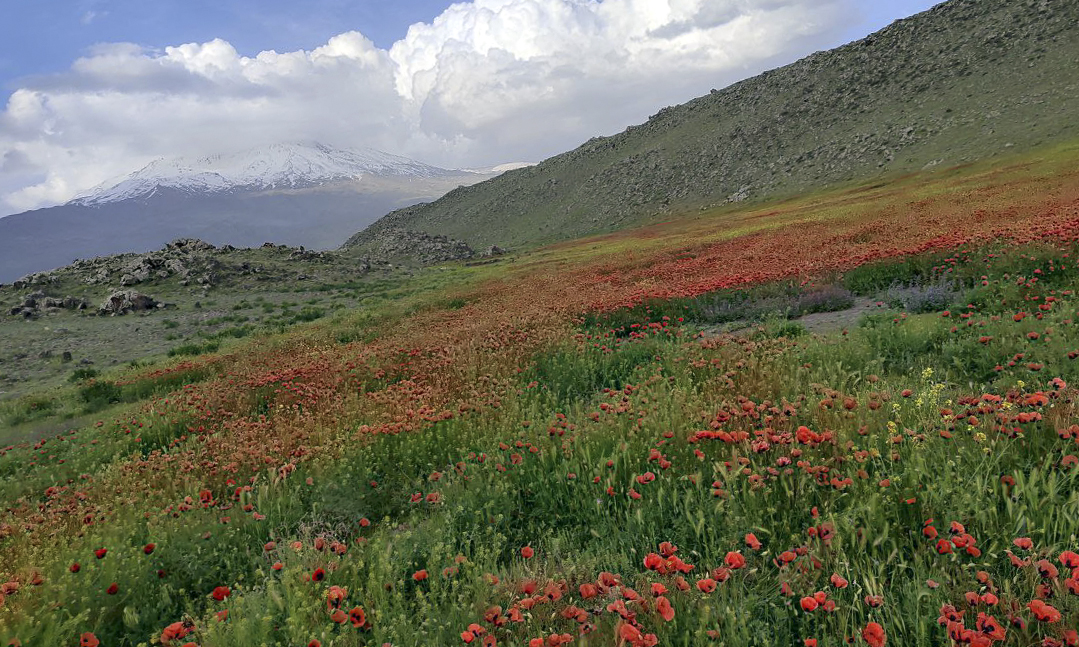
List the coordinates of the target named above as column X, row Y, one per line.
column 485, row 82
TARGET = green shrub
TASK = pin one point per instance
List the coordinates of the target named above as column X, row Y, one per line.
column 82, row 374
column 99, row 394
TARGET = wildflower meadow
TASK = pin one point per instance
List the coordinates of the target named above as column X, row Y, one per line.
column 584, row 446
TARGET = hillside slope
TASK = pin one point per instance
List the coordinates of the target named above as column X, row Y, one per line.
column 965, row 80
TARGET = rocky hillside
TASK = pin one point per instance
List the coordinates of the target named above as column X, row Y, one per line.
column 966, row 80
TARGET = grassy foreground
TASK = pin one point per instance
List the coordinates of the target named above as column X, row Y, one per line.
column 530, row 465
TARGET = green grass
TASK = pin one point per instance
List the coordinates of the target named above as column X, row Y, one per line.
column 552, row 467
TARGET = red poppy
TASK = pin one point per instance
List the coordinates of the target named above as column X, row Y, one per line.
column 101, row 552
column 663, row 606
column 175, row 631
column 149, row 548
column 357, row 617
column 629, row 633
column 1016, row 562
column 752, row 541
column 467, row 636
column 221, row 592
column 989, row 627
column 1044, row 612
column 75, row 568
column 735, row 560
column 335, row 596
column 113, row 589
column 88, row 640
column 318, row 575
column 588, row 591
column 339, row 616
column 1046, row 569
column 527, row 552
column 314, row 643
column 420, row 575
column 838, row 581
column 1071, row 637
column 809, row 603
column 706, row 585
column 1069, row 559
column 873, row 634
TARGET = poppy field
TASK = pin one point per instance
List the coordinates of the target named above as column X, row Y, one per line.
column 569, row 451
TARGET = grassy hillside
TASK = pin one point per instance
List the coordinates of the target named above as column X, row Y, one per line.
column 210, row 297
column 967, row 80
column 509, row 462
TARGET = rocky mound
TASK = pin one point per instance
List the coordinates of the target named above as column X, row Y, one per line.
column 394, row 243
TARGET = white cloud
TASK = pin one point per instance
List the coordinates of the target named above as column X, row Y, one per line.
column 485, row 82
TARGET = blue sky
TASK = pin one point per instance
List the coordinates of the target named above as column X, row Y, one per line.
column 95, row 89
column 42, row 36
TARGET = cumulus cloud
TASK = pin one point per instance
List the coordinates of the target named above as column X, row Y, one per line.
column 485, row 82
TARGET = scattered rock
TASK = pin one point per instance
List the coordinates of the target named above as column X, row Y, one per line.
column 37, row 303
column 124, row 301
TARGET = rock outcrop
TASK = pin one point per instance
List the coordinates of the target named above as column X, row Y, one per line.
column 37, row 303
column 124, row 301
column 393, row 243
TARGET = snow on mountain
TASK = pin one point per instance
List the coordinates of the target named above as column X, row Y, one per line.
column 278, row 166
column 501, row 168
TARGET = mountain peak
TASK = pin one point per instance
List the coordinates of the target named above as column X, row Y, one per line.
column 286, row 165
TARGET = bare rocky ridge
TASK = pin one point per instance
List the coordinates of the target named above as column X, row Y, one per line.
column 965, row 80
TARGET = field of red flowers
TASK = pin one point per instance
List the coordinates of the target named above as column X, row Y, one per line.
column 568, row 459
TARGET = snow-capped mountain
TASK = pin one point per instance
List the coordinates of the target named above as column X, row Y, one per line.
column 278, row 166
column 296, row 194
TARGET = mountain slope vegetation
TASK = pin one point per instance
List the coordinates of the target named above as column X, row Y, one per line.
column 966, row 80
